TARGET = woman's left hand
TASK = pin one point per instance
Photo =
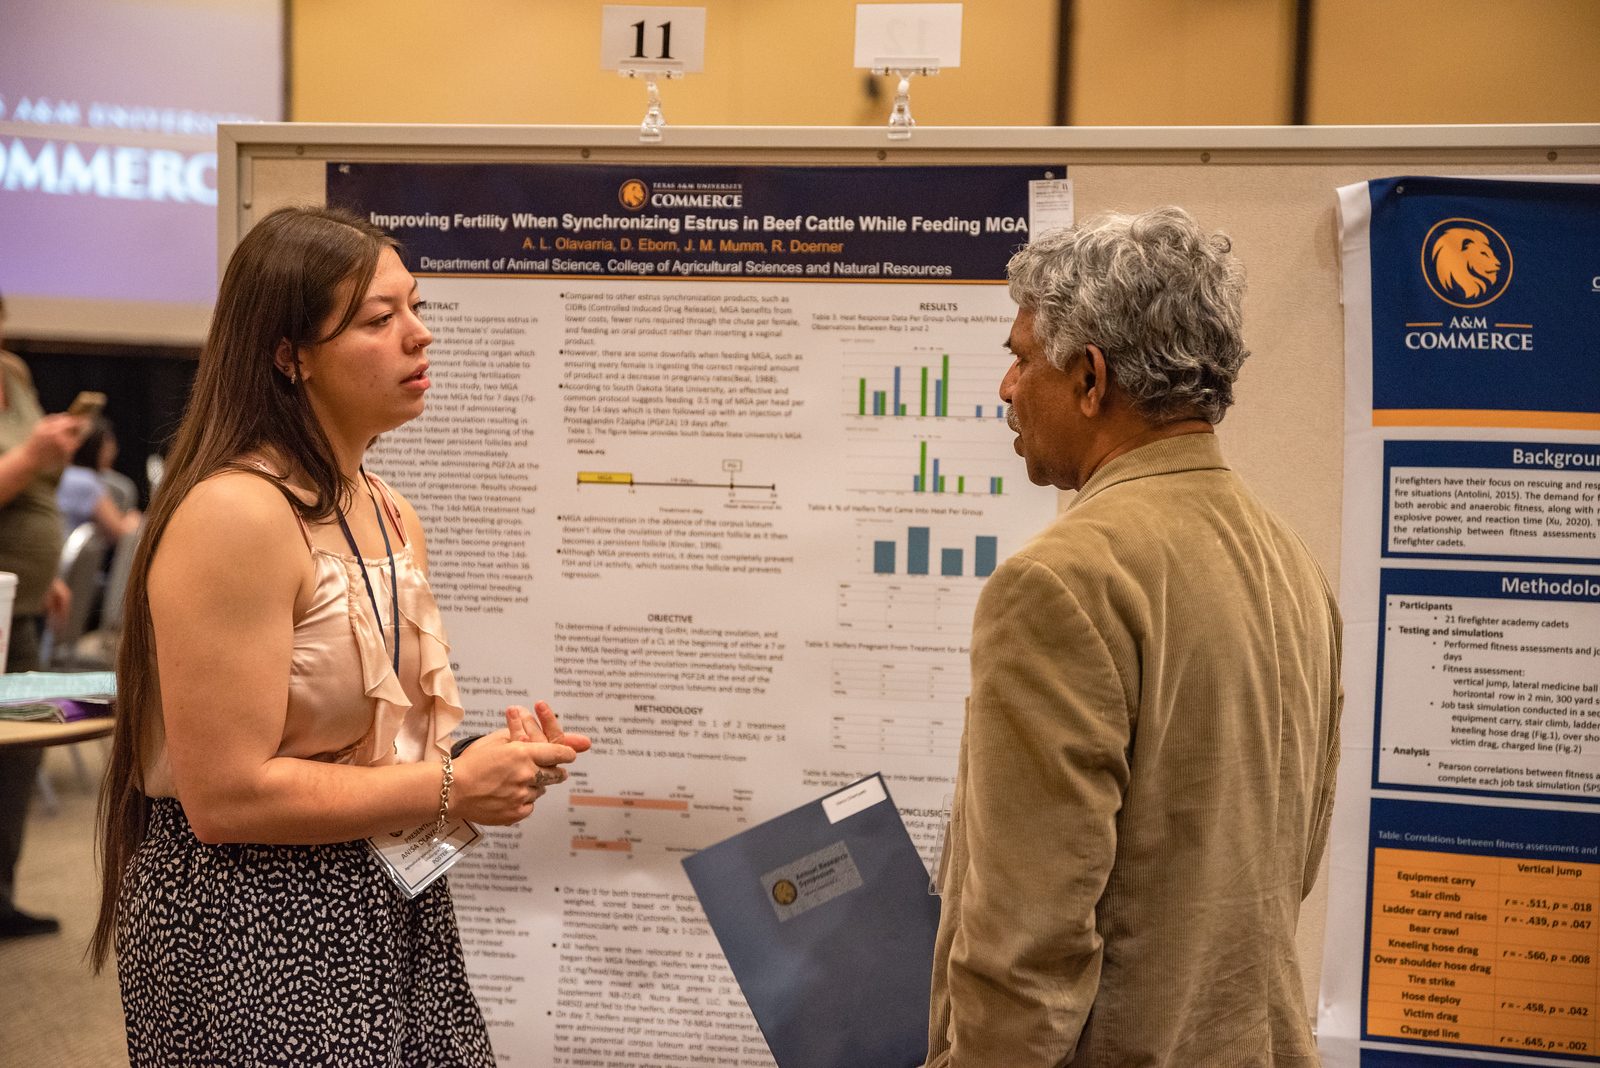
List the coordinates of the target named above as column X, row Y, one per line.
column 540, row 726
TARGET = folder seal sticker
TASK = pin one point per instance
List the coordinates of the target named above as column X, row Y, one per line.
column 815, row 879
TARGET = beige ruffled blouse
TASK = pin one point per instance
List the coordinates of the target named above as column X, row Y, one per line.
column 346, row 704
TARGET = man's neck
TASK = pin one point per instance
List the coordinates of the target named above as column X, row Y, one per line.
column 1132, row 432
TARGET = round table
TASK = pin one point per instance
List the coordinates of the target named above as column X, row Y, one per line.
column 15, row 734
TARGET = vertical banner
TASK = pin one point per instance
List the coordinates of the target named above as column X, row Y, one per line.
column 714, row 462
column 1466, row 845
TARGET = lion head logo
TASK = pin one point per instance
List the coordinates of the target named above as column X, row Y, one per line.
column 784, row 892
column 633, row 194
column 1463, row 261
column 1466, row 263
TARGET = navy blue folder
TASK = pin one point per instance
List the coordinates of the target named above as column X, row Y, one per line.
column 829, row 928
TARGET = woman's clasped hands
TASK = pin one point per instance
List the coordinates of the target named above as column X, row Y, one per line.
column 500, row 776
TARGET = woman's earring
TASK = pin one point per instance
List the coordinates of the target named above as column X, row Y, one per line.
column 294, row 374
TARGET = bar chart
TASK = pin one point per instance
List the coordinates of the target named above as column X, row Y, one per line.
column 912, row 553
column 973, row 463
column 622, row 827
column 927, row 385
column 628, row 481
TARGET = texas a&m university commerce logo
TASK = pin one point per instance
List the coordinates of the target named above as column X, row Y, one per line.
column 633, row 194
column 1467, row 263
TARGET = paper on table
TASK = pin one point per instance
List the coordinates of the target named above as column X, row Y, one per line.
column 32, row 712
column 43, row 685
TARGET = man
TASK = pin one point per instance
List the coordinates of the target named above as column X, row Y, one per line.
column 1146, row 774
column 34, row 448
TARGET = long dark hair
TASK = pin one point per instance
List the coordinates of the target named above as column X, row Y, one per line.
column 88, row 454
column 283, row 283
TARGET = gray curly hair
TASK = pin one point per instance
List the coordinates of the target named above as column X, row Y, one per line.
column 1156, row 293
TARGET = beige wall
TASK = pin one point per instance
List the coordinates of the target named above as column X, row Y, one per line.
column 1382, row 61
column 768, row 62
column 1135, row 63
column 1230, row 62
column 1182, row 62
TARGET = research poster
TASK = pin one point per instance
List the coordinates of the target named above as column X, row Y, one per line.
column 714, row 462
column 1466, row 846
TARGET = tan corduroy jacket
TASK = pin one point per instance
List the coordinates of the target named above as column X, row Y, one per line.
column 1145, row 783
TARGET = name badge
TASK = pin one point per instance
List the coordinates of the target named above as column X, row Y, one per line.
column 415, row 858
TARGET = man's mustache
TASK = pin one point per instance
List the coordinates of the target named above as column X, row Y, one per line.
column 1011, row 418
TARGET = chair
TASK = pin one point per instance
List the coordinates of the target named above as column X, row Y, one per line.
column 79, row 568
column 97, row 650
column 120, row 488
column 81, row 557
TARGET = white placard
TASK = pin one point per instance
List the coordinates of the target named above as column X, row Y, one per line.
column 1049, row 206
column 910, row 35
column 863, row 795
column 653, row 38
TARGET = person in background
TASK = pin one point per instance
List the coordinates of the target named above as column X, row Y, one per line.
column 34, row 448
column 1147, row 770
column 284, row 691
column 124, row 493
column 83, row 495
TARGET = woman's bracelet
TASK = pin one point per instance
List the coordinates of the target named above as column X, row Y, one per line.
column 444, row 796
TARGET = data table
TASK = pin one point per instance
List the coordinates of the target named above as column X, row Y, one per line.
column 1483, row 951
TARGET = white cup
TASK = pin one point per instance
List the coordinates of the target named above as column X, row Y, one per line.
column 8, row 597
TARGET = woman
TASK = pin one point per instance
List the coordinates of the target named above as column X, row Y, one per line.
column 124, row 494
column 34, row 447
column 83, row 495
column 270, row 715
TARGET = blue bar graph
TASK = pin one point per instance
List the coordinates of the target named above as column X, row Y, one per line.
column 883, row 557
column 938, row 397
column 938, row 486
column 896, row 409
column 920, row 552
column 983, row 557
column 917, row 550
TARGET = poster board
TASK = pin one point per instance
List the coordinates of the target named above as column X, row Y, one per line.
column 1461, row 909
column 1271, row 190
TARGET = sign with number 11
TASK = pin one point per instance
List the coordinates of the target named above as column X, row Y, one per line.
column 653, row 38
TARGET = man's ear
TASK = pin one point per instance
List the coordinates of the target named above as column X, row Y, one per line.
column 1094, row 382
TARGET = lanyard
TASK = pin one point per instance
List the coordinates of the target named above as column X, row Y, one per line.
column 394, row 591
